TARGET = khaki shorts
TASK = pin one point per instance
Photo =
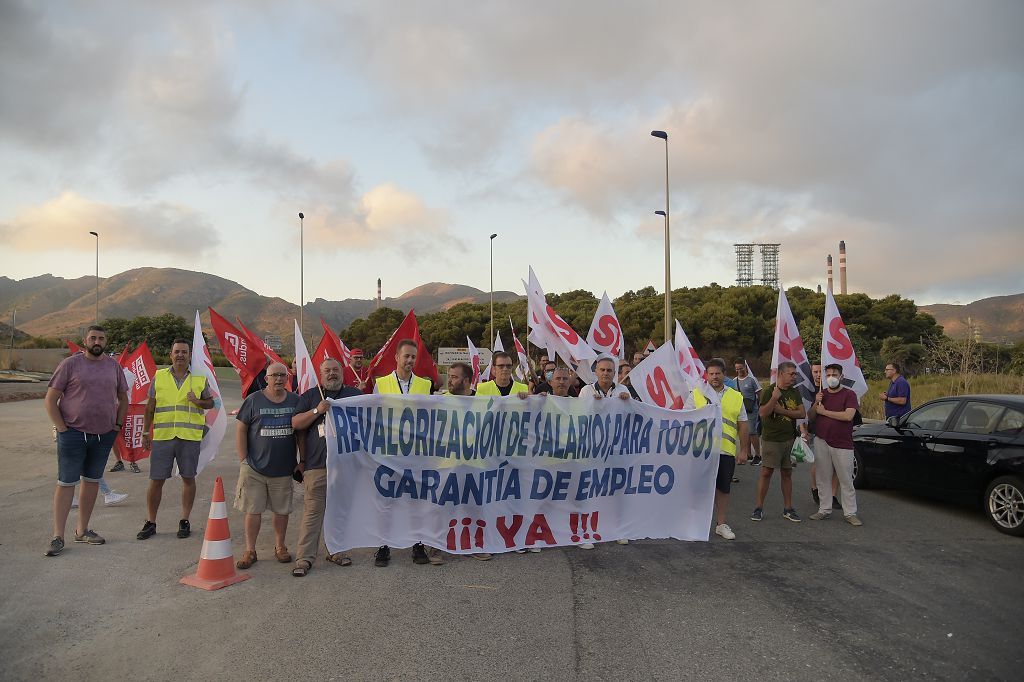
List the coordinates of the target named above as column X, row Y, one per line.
column 775, row 455
column 256, row 493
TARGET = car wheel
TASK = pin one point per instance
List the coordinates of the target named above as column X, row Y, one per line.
column 860, row 478
column 1004, row 504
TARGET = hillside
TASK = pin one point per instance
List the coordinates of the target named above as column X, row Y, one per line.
column 998, row 319
column 57, row 307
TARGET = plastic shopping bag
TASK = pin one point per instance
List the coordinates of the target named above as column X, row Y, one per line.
column 802, row 452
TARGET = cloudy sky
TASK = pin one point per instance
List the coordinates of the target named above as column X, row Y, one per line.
column 190, row 136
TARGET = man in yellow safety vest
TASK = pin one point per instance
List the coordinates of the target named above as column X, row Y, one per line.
column 502, row 384
column 734, row 432
column 173, row 429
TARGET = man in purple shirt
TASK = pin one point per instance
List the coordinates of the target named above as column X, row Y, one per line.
column 86, row 400
column 897, row 398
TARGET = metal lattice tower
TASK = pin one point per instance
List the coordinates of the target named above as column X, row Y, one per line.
column 770, row 265
column 744, row 264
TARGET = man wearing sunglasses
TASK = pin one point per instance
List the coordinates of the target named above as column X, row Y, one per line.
column 502, row 384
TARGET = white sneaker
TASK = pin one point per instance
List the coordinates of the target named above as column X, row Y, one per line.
column 74, row 502
column 622, row 542
column 725, row 531
column 534, row 550
column 112, row 498
column 587, row 545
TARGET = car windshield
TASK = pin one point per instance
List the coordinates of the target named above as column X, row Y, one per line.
column 932, row 417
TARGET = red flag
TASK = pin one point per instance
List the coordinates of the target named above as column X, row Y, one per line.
column 74, row 347
column 129, row 442
column 331, row 346
column 246, row 359
column 259, row 343
column 139, row 370
column 384, row 362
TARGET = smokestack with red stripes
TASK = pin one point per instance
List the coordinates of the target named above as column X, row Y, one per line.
column 828, row 262
column 842, row 267
column 378, row 293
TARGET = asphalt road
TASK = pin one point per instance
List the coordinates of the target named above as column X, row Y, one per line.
column 922, row 590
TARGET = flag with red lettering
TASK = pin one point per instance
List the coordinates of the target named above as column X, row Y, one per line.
column 659, row 380
column 551, row 331
column 837, row 348
column 139, row 370
column 788, row 345
column 523, row 368
column 216, row 419
column 384, row 362
column 485, row 375
column 305, row 373
column 247, row 359
column 689, row 361
column 605, row 334
column 474, row 361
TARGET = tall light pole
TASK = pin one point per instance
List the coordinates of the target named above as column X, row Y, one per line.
column 668, row 283
column 491, row 340
column 302, row 281
column 97, row 235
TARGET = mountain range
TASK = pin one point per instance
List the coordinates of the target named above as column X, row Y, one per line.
column 57, row 307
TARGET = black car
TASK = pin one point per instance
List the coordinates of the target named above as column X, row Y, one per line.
column 966, row 449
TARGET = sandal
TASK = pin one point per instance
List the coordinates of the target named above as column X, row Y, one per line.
column 282, row 554
column 301, row 568
column 340, row 559
column 247, row 560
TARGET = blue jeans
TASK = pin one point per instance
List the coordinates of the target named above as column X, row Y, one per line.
column 82, row 455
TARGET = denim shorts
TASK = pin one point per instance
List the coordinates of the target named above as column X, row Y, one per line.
column 82, row 455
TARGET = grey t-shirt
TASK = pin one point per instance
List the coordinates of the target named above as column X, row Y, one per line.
column 749, row 387
column 271, row 439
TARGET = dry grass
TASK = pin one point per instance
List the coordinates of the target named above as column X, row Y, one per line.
column 930, row 386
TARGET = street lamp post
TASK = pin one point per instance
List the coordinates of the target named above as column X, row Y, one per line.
column 302, row 280
column 491, row 340
column 668, row 283
column 97, row 235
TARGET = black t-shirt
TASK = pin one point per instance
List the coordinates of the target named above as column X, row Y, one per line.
column 504, row 390
column 542, row 387
column 316, row 444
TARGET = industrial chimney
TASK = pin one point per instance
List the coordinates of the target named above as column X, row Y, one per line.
column 378, row 293
column 842, row 267
column 828, row 261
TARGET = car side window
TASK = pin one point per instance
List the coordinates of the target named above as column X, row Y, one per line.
column 978, row 417
column 932, row 416
column 1011, row 424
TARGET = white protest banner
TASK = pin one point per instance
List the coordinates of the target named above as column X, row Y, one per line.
column 216, row 420
column 467, row 474
column 659, row 380
column 605, row 334
column 837, row 348
column 789, row 346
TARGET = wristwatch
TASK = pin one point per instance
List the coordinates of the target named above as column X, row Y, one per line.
column 315, row 411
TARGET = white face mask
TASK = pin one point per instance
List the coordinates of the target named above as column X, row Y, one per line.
column 832, row 382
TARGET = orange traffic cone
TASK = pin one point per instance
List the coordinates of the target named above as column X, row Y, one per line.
column 216, row 562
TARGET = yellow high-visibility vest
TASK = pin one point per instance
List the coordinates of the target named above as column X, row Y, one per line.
column 389, row 384
column 175, row 416
column 491, row 388
column 732, row 403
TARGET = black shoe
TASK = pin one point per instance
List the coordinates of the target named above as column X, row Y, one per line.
column 148, row 531
column 184, row 529
column 757, row 461
column 419, row 554
column 836, row 504
column 814, row 494
column 117, row 467
column 135, row 468
column 382, row 557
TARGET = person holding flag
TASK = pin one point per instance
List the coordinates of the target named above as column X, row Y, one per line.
column 173, row 428
column 781, row 407
column 403, row 381
column 834, row 408
column 311, row 436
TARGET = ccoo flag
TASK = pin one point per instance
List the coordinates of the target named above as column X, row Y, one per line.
column 837, row 348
